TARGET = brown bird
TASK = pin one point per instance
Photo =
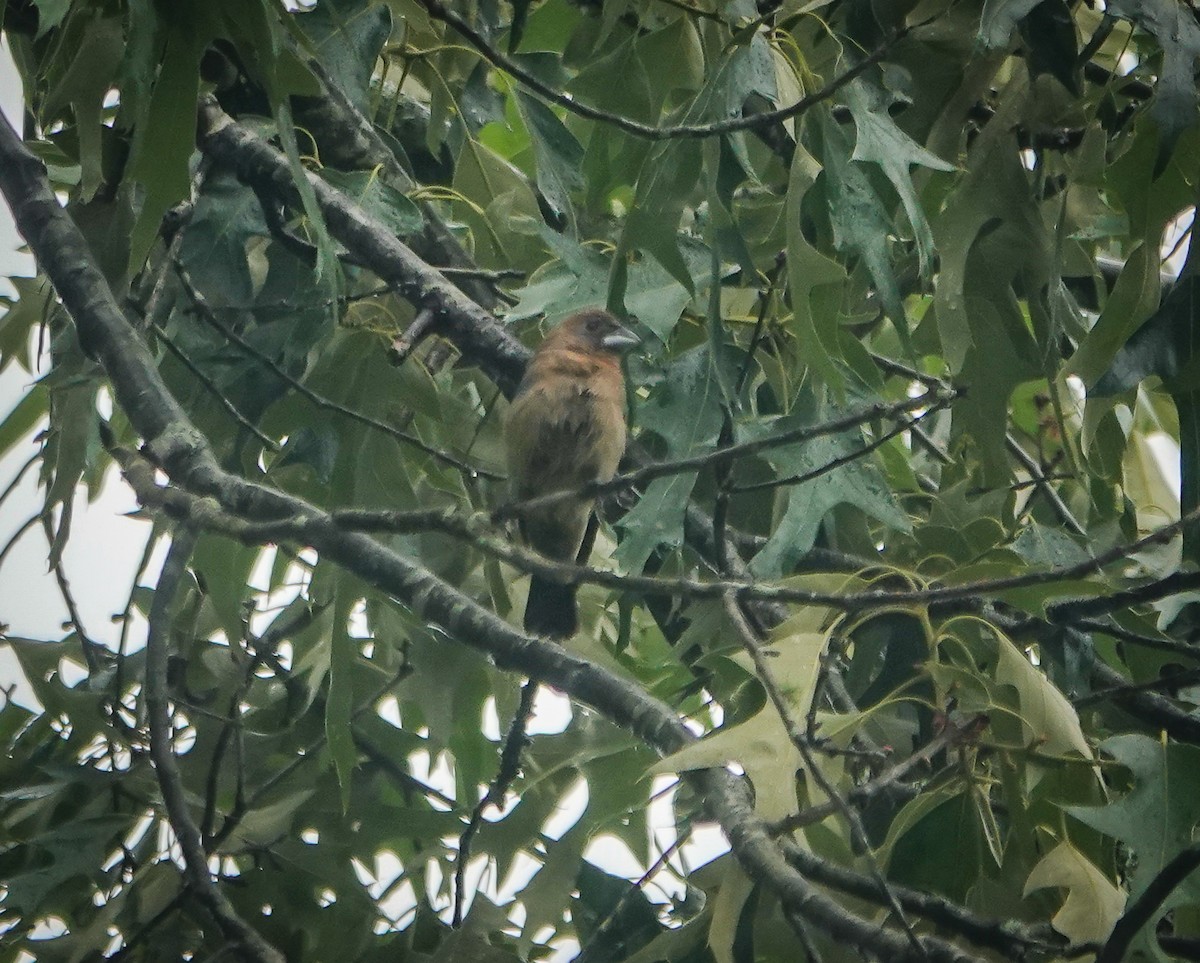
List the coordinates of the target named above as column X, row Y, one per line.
column 566, row 428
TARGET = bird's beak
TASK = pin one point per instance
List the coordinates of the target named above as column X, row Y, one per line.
column 620, row 340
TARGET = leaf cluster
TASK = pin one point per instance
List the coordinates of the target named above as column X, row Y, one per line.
column 977, row 204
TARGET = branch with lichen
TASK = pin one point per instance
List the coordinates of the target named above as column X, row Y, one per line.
column 180, row 450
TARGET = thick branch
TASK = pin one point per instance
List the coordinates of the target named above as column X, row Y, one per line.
column 472, row 329
column 184, row 454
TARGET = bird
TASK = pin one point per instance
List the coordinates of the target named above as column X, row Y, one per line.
column 565, row 428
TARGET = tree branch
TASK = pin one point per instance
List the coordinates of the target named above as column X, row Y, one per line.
column 320, row 401
column 799, row 738
column 439, row 11
column 184, row 454
column 515, row 742
column 232, row 926
column 743, row 449
column 1144, row 908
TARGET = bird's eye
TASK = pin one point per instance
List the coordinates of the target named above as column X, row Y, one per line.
column 593, row 324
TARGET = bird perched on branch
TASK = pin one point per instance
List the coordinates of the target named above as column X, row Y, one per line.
column 566, row 429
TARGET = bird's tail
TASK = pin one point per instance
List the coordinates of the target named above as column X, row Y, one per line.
column 550, row 609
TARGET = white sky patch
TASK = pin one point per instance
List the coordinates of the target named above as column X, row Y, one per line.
column 1173, row 251
column 1166, row 452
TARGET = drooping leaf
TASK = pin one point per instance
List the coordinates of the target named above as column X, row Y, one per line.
column 856, row 483
column 813, row 279
column 558, row 155
column 1093, row 902
column 389, row 206
column 1165, row 345
column 882, row 142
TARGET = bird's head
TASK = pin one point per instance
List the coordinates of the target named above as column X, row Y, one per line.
column 594, row 330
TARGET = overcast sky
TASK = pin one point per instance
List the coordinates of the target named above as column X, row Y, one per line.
column 104, row 547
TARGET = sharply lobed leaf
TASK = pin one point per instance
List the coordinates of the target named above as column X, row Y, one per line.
column 958, row 211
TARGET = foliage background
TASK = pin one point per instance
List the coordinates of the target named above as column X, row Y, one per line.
column 896, row 540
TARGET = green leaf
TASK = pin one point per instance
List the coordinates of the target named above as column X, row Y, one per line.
column 668, row 176
column 547, row 895
column 347, row 36
column 267, row 824
column 68, row 850
column 856, row 483
column 1049, row 721
column 882, row 142
column 994, row 194
column 503, row 205
column 1176, row 30
column 580, row 280
column 735, row 890
column 549, row 28
column 339, row 704
column 861, row 223
column 1040, row 544
column 25, row 415
column 997, row 361
column 163, row 145
column 226, row 217
column 391, row 207
column 1157, row 816
column 557, row 153
column 1093, row 902
column 685, row 411
column 814, row 280
column 1165, row 345
column 761, row 746
column 30, row 308
column 1000, row 17
column 1134, row 298
column 82, row 87
column 940, row 844
column 50, row 14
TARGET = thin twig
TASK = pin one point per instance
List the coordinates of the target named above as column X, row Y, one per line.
column 309, row 753
column 598, row 942
column 740, row 450
column 16, row 537
column 868, row 790
column 799, row 739
column 1183, row 649
column 12, row 485
column 482, row 274
column 841, row 460
column 320, row 400
column 647, row 131
column 170, row 782
column 515, row 742
column 475, row 529
column 231, row 409
column 422, row 325
column 1062, row 612
column 1035, row 470
column 1176, row 679
column 91, row 648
